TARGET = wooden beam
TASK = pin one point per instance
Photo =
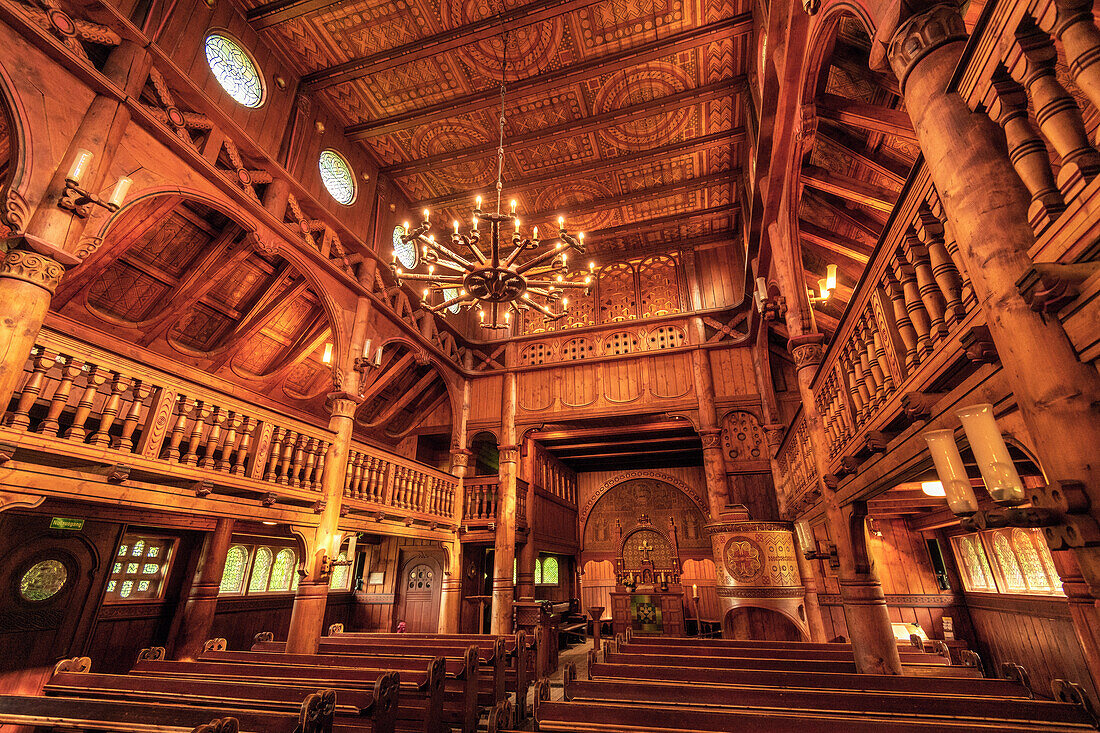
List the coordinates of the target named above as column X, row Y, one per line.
column 272, row 14
column 857, row 150
column 588, row 168
column 645, row 226
column 423, row 412
column 546, row 437
column 858, row 218
column 825, row 321
column 626, row 445
column 645, row 454
column 259, row 315
column 545, row 82
column 850, row 189
column 491, row 26
column 386, row 378
column 833, row 242
column 573, row 128
column 853, row 60
column 408, row 396
column 863, row 116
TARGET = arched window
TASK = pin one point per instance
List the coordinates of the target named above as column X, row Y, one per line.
column 341, row 574
column 337, row 176
column 261, row 571
column 1034, row 572
column 282, row 570
column 550, row 571
column 1010, row 567
column 1048, row 560
column 538, row 572
column 973, row 560
column 234, row 69
column 405, row 252
column 236, row 560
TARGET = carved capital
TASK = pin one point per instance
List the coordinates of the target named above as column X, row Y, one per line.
column 921, row 34
column 773, row 434
column 36, row 262
column 460, row 457
column 342, row 404
column 509, row 453
column 808, row 350
column 711, row 438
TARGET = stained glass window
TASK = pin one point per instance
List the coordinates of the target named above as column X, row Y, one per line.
column 972, row 557
column 341, row 573
column 43, row 580
column 1010, row 567
column 337, row 176
column 261, row 571
column 405, row 251
column 234, row 70
column 550, row 571
column 449, row 294
column 1048, row 561
column 144, row 578
column 1034, row 572
column 233, row 575
column 282, row 570
column 538, row 572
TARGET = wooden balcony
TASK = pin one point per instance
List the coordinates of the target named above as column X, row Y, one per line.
column 479, row 517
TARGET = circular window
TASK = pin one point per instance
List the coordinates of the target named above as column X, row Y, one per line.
column 43, row 580
column 234, row 70
column 420, row 577
column 451, row 294
column 406, row 251
column 337, row 177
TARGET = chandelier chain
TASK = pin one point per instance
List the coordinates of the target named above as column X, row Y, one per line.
column 503, row 89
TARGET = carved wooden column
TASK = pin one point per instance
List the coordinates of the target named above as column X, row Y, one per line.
column 308, row 614
column 37, row 258
column 196, row 616
column 812, row 605
column 504, row 547
column 987, row 206
column 528, row 552
column 714, row 461
column 450, row 611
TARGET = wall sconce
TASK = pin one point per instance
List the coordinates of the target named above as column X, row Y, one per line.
column 825, row 286
column 771, row 309
column 809, row 546
column 949, row 467
column 998, row 472
column 79, row 200
column 369, row 361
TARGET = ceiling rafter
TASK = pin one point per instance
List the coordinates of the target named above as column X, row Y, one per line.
column 573, row 74
column 386, row 378
column 857, row 218
column 272, row 14
column 850, row 189
column 858, row 151
column 588, row 168
column 542, row 136
column 658, row 223
column 833, row 242
column 864, row 116
column 406, row 397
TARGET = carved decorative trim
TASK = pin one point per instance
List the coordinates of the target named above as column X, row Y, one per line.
column 808, row 351
column 920, row 35
column 34, row 268
column 794, row 592
column 630, row 475
column 931, row 600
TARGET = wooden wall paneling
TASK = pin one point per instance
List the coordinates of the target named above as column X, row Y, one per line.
column 556, row 529
column 580, row 386
column 720, row 275
column 671, row 376
column 485, row 402
column 239, row 618
column 535, row 391
column 622, row 380
column 733, row 373
column 597, row 582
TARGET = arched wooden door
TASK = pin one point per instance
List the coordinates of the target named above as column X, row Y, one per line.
column 419, row 586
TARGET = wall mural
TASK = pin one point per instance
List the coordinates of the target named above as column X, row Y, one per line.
column 623, row 504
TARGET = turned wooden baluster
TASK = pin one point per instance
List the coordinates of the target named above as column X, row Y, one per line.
column 243, row 447
column 70, row 370
column 1026, row 150
column 951, row 244
column 372, row 478
column 878, row 346
column 194, row 441
column 363, row 477
column 402, row 490
column 914, row 306
column 288, row 454
column 1077, row 32
column 322, row 458
column 863, row 355
column 125, row 441
column 944, row 270
column 934, row 304
column 183, row 409
column 299, row 462
column 42, row 361
column 878, row 379
column 859, row 378
column 311, row 462
column 229, row 444
column 852, row 384
column 1056, row 111
column 217, row 418
column 119, row 384
column 277, row 434
column 905, row 328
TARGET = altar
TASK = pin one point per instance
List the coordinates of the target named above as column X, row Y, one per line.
column 648, row 597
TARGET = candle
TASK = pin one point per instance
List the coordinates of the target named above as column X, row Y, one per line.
column 426, row 215
column 513, row 202
column 536, row 233
column 119, row 194
column 561, row 223
column 477, row 206
column 456, row 227
column 80, row 166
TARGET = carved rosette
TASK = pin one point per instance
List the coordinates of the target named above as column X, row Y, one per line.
column 34, row 268
column 920, row 35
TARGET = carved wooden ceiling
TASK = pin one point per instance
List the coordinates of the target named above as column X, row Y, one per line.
column 182, row 280
column 638, row 442
column 623, row 116
column 862, row 152
column 404, row 393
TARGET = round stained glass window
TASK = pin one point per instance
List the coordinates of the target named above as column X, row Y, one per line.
column 234, row 70
column 337, row 177
column 406, row 251
column 449, row 294
column 43, row 580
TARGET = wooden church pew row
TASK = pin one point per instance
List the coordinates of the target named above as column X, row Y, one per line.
column 850, row 702
column 606, row 717
column 372, row 711
column 127, row 716
column 714, row 648
column 980, row 687
column 456, row 700
column 754, row 663
column 421, row 702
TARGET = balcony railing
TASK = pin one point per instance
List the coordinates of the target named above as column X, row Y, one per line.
column 376, row 480
column 482, row 495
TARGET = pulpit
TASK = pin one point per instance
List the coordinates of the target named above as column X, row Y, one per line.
column 648, row 597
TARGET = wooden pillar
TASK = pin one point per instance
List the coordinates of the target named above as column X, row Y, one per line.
column 811, row 604
column 36, row 260
column 197, row 614
column 450, row 611
column 504, row 547
column 528, row 553
column 714, row 460
column 987, row 204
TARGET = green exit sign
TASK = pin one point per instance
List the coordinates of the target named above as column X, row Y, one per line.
column 66, row 523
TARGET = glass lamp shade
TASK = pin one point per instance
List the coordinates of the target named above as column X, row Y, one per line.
column 805, row 537
column 952, row 472
column 999, row 474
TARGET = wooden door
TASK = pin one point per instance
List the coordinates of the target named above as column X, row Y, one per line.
column 418, row 589
column 46, row 580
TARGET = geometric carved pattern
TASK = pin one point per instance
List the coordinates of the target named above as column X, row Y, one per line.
column 658, row 286
column 616, row 293
column 742, row 437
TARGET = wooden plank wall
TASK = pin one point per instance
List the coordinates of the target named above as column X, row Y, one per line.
column 373, row 607
column 554, row 524
column 720, row 271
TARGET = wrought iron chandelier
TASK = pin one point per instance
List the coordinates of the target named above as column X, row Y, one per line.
column 495, row 280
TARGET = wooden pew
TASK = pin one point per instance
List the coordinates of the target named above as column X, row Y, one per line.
column 421, row 698
column 456, row 699
column 371, row 711
column 779, row 650
column 1016, row 710
column 754, row 663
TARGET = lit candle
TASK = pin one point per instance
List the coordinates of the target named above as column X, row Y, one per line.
column 581, row 237
column 517, row 226
column 513, row 202
column 475, row 222
column 560, row 278
column 561, row 223
column 80, row 166
column 426, row 215
column 405, row 226
column 119, row 194
column 393, row 259
column 536, row 233
column 830, row 277
column 456, row 227
column 426, row 292
column 366, row 348
column 327, row 357
column 591, row 266
column 587, row 279
column 431, row 269
column 565, row 302
column 477, row 206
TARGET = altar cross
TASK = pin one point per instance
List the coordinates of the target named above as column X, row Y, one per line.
column 645, row 548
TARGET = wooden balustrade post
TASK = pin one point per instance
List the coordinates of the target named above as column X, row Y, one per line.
column 70, row 370
column 1076, row 30
column 191, row 627
column 504, row 546
column 1057, row 395
column 450, row 612
column 710, row 433
column 42, row 362
column 119, row 384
